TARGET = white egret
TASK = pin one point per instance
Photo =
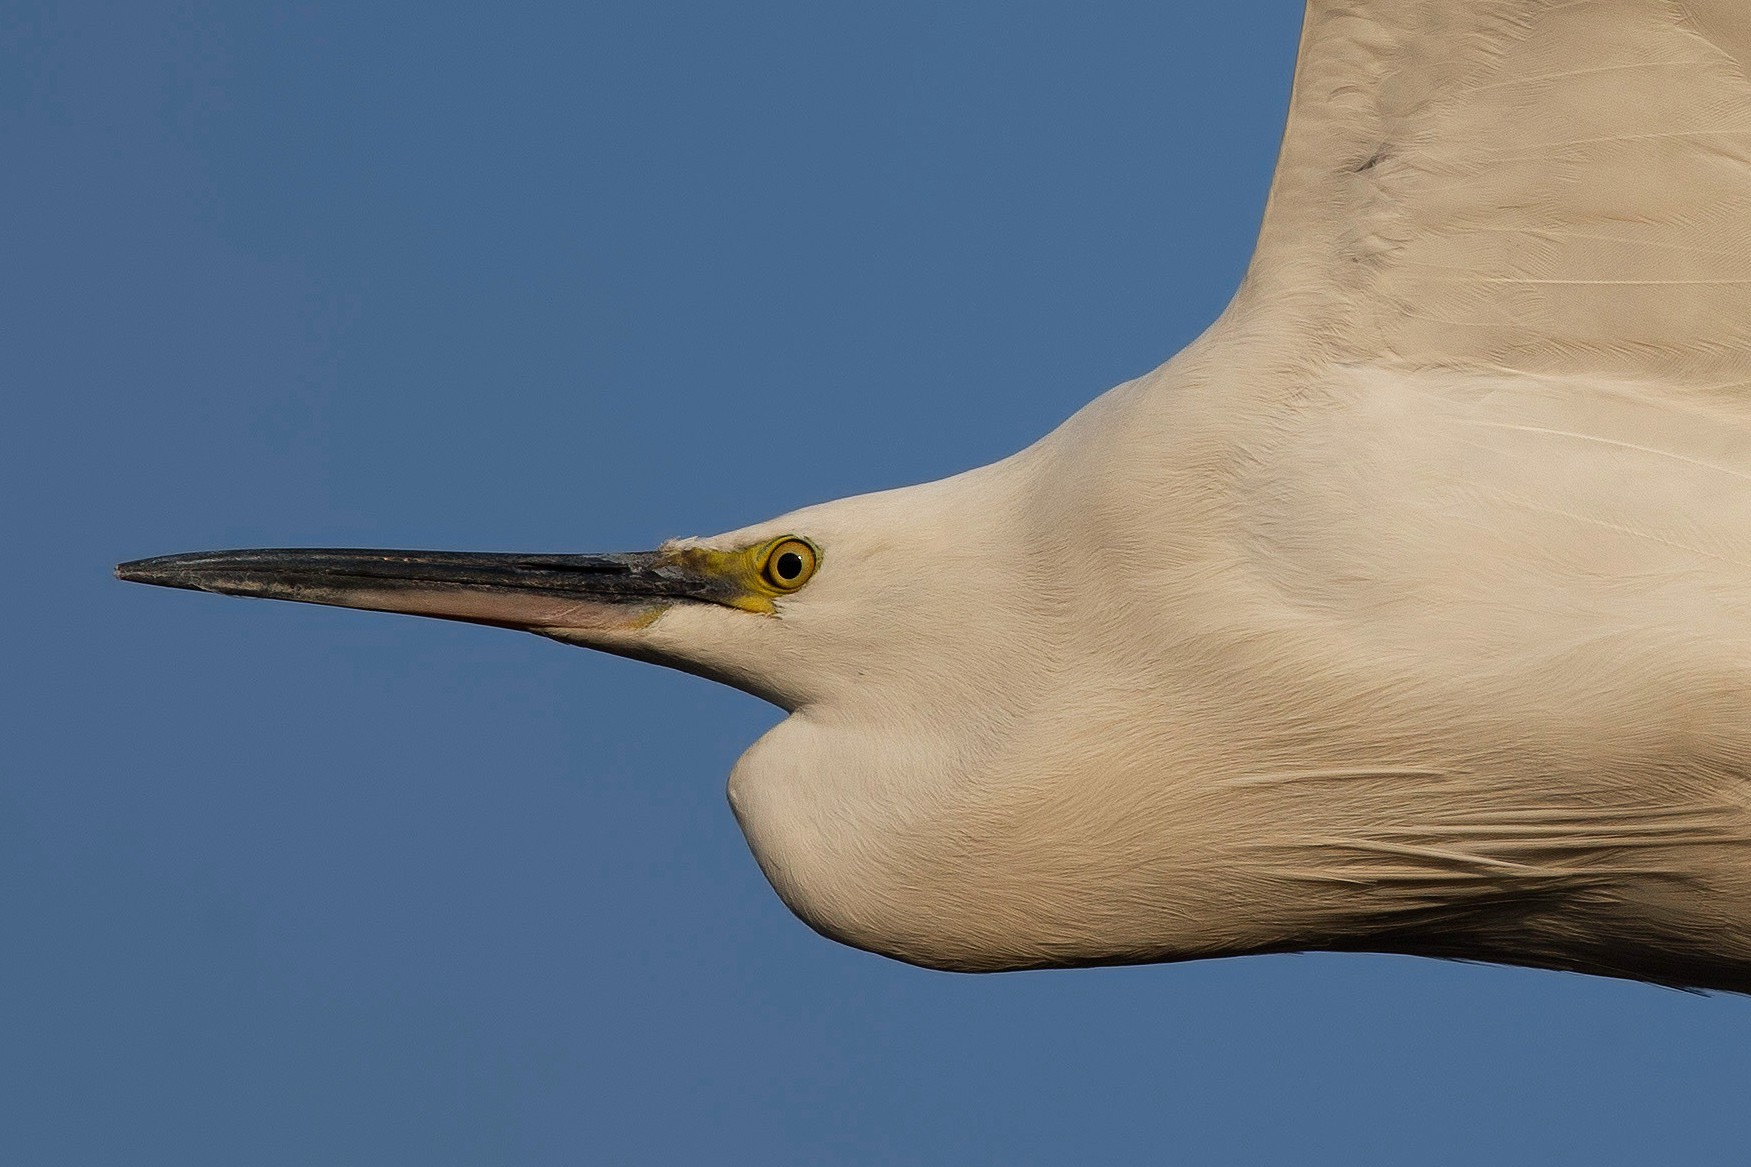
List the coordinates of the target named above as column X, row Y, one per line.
column 1406, row 610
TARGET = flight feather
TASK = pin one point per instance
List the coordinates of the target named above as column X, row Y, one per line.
column 1553, row 187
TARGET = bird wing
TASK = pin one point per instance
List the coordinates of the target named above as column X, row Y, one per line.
column 1557, row 187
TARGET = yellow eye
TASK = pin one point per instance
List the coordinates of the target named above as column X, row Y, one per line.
column 789, row 564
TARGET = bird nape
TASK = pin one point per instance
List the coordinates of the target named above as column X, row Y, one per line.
column 1424, row 617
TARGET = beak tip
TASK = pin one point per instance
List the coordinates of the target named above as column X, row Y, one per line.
column 160, row 570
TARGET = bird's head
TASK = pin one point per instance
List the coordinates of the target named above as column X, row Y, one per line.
column 885, row 624
column 821, row 606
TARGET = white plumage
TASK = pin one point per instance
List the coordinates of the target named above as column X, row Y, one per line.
column 1408, row 609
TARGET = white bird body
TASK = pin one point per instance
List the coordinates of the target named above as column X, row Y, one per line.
column 1402, row 684
column 1408, row 609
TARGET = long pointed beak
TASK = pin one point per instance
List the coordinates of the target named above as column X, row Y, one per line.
column 540, row 593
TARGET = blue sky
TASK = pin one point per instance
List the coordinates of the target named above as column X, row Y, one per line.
column 286, row 885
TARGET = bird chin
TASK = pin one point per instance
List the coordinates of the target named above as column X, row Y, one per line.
column 613, row 627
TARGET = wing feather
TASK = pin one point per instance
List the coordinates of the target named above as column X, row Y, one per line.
column 1558, row 187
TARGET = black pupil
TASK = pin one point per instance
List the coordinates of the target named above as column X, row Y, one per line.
column 789, row 565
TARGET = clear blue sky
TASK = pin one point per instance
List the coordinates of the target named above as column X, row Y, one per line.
column 286, row 885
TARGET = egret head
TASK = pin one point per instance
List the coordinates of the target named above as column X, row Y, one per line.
column 774, row 609
column 886, row 625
